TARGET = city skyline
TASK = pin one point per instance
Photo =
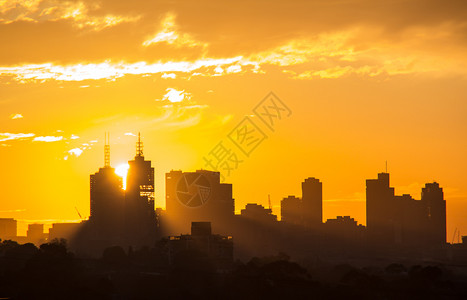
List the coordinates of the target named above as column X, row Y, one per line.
column 365, row 83
column 121, row 171
column 110, row 208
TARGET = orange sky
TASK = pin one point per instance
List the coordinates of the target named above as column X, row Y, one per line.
column 366, row 82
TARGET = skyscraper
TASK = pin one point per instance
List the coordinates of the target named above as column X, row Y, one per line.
column 312, row 202
column 433, row 200
column 140, row 217
column 380, row 209
column 106, row 200
column 198, row 196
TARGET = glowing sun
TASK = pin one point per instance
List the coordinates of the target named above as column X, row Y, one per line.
column 122, row 170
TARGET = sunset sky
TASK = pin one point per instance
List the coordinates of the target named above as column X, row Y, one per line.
column 366, row 82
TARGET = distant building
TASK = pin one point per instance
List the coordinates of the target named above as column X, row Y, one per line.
column 433, row 200
column 198, row 196
column 140, row 215
column 291, row 210
column 402, row 220
column 107, row 200
column 410, row 221
column 258, row 213
column 312, row 202
column 344, row 228
column 218, row 248
column 8, row 228
column 35, row 234
column 64, row 231
column 380, row 209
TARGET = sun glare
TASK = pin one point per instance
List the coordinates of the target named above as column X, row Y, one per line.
column 122, row 170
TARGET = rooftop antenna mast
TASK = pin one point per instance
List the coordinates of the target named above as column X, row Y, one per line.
column 269, row 202
column 139, row 146
column 386, row 166
column 107, row 151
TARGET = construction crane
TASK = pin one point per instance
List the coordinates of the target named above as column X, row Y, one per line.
column 454, row 236
column 78, row 213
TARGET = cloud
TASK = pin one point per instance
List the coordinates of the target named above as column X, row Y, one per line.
column 76, row 152
column 109, row 70
column 168, row 75
column 169, row 35
column 48, row 138
column 174, row 95
column 16, row 116
column 12, row 210
column 74, row 137
column 6, row 136
column 376, row 45
column 48, row 10
column 130, row 134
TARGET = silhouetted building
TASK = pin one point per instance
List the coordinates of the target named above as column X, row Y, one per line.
column 401, row 220
column 410, row 225
column 291, row 210
column 380, row 208
column 198, row 196
column 35, row 234
column 217, row 248
column 258, row 213
column 344, row 228
column 140, row 215
column 433, row 200
column 64, row 230
column 107, row 200
column 106, row 222
column 8, row 228
column 312, row 202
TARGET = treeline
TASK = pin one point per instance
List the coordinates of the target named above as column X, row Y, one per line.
column 51, row 271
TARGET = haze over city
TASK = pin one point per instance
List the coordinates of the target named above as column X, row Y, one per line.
column 366, row 83
column 246, row 104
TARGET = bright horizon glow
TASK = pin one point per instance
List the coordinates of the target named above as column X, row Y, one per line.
column 122, row 171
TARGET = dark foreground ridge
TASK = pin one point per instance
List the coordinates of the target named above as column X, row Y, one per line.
column 52, row 272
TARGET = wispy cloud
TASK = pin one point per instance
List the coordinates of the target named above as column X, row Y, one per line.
column 48, row 10
column 76, row 151
column 170, row 35
column 6, row 136
column 16, row 116
column 48, row 138
column 168, row 75
column 12, row 210
column 175, row 96
column 109, row 70
column 326, row 55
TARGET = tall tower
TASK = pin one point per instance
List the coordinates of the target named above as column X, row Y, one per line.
column 106, row 199
column 435, row 205
column 312, row 202
column 140, row 217
column 380, row 209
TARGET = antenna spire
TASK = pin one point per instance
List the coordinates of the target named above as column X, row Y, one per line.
column 386, row 166
column 107, row 151
column 139, row 146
